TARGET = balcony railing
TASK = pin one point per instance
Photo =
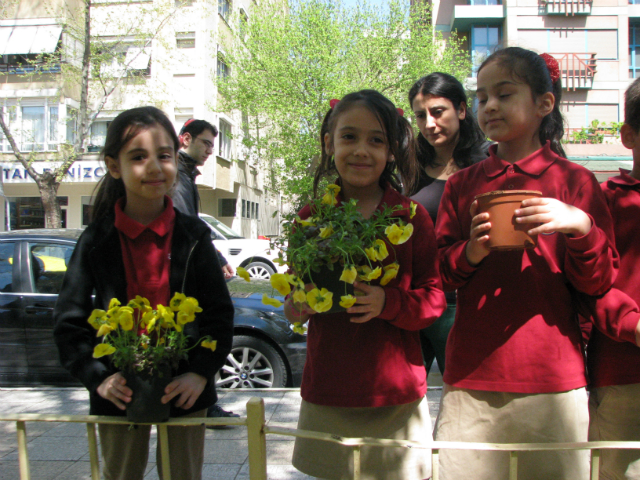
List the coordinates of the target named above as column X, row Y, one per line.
column 576, row 69
column 567, row 7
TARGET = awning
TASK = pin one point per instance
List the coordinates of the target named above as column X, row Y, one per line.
column 29, row 39
column 137, row 58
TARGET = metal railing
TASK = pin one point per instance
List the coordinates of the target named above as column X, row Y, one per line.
column 568, row 7
column 258, row 429
column 576, row 69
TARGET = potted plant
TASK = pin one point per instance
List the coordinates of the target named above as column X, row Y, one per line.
column 146, row 345
column 334, row 247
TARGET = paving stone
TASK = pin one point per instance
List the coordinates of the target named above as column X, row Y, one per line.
column 54, row 448
column 40, row 470
column 226, row 451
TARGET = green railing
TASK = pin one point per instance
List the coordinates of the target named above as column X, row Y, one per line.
column 258, row 429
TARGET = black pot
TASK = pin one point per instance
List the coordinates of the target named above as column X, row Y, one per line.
column 145, row 405
column 330, row 279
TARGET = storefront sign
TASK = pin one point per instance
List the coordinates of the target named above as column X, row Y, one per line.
column 80, row 171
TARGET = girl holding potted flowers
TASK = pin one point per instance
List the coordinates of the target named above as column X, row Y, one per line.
column 139, row 246
column 364, row 375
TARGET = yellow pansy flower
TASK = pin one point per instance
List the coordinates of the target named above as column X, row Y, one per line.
column 299, row 296
column 349, row 274
column 149, row 319
column 326, row 231
column 320, row 300
column 347, row 301
column 378, row 251
column 309, row 222
column 274, row 302
column 280, row 283
column 242, row 273
column 185, row 317
column 114, row 303
column 333, row 189
column 329, row 198
column 393, row 233
column 104, row 330
column 407, row 231
column 210, row 344
column 366, row 274
column 413, row 207
column 390, row 272
column 140, row 303
column 190, row 306
column 176, row 301
column 103, row 349
column 299, row 328
column 95, row 317
column 125, row 318
column 166, row 315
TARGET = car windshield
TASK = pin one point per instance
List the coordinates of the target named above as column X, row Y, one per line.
column 220, row 227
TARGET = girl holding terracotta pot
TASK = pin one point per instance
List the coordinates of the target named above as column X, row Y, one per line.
column 515, row 370
column 449, row 140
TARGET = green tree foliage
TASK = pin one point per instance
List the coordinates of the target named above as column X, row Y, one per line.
column 288, row 63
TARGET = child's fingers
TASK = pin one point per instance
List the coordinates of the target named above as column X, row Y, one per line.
column 114, row 389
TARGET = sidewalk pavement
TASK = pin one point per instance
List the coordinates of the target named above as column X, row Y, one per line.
column 59, row 450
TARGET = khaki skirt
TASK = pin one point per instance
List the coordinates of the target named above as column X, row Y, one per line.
column 499, row 417
column 332, row 461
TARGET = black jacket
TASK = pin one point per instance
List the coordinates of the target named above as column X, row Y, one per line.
column 185, row 196
column 96, row 267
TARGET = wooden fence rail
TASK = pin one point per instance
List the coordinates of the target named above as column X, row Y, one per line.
column 257, row 430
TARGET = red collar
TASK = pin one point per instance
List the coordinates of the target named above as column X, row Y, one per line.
column 624, row 178
column 132, row 229
column 534, row 164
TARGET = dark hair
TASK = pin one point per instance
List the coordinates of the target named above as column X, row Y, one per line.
column 530, row 68
column 124, row 128
column 470, row 139
column 398, row 132
column 632, row 105
column 196, row 127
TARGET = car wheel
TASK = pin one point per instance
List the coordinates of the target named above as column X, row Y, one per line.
column 259, row 270
column 252, row 363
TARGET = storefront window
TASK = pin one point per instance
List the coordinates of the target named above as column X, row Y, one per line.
column 28, row 212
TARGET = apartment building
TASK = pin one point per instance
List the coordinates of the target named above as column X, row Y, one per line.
column 596, row 42
column 168, row 55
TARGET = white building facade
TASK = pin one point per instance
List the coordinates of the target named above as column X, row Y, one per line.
column 176, row 68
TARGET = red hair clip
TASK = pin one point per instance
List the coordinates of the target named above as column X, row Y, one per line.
column 552, row 66
column 333, row 102
column 400, row 112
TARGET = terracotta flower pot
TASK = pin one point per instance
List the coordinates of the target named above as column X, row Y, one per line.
column 145, row 405
column 330, row 279
column 505, row 233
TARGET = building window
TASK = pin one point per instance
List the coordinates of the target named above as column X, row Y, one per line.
column 242, row 24
column 186, row 40
column 223, row 68
column 28, row 212
column 250, row 210
column 33, row 125
column 98, row 135
column 225, row 140
column 634, row 2
column 485, row 39
column 634, row 50
column 224, row 9
column 227, row 207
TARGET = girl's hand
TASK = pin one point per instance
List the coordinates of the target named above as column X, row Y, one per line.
column 297, row 312
column 189, row 386
column 477, row 248
column 553, row 216
column 114, row 389
column 370, row 304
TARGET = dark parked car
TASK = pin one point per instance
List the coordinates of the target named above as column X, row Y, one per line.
column 266, row 352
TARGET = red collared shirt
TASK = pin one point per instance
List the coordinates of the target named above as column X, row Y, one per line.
column 379, row 362
column 146, row 252
column 515, row 328
column 614, row 362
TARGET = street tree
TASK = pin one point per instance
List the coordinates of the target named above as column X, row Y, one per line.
column 103, row 50
column 290, row 60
